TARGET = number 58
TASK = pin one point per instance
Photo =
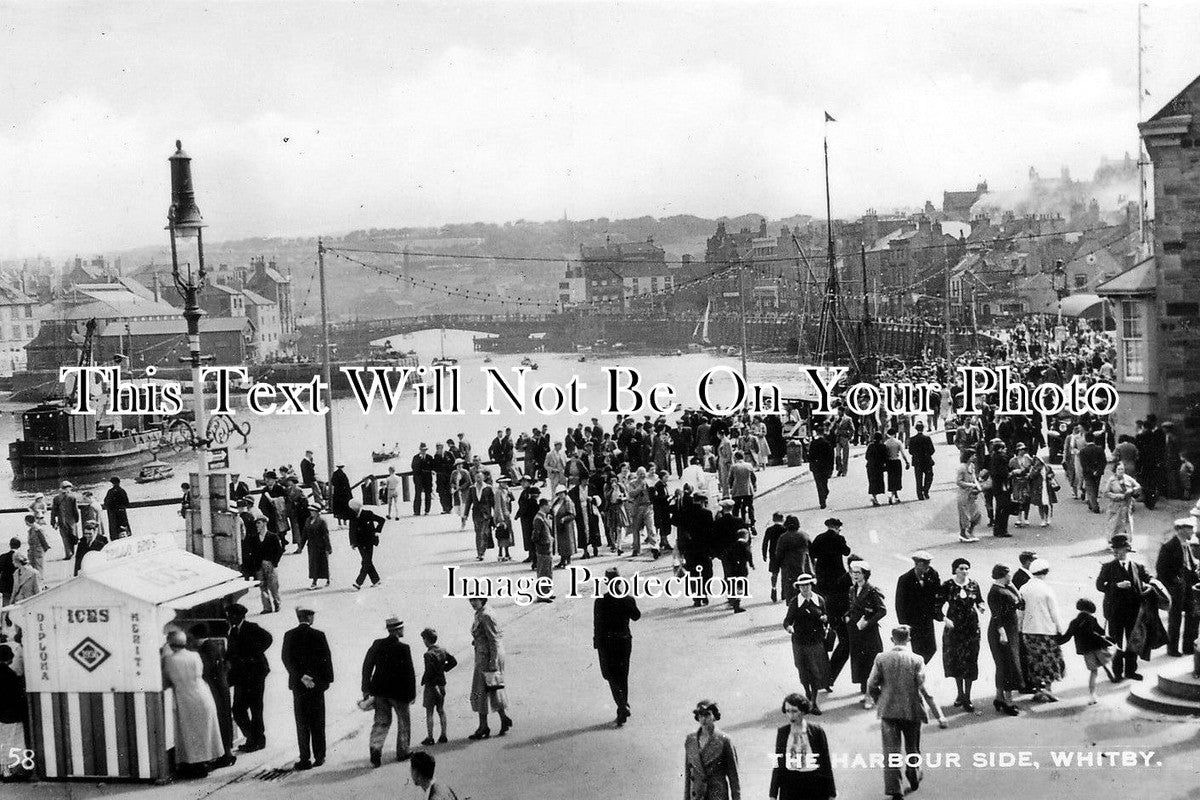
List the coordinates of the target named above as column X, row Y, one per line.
column 20, row 758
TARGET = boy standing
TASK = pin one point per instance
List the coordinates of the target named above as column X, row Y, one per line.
column 437, row 663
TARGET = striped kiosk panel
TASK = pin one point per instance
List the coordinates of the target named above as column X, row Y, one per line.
column 116, row 735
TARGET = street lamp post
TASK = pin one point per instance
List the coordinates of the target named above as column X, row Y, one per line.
column 1059, row 278
column 185, row 223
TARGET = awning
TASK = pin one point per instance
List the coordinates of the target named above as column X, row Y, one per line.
column 212, row 593
column 1082, row 305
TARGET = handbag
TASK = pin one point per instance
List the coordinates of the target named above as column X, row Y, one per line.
column 493, row 681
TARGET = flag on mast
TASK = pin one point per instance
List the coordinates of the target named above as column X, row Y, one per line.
column 829, row 118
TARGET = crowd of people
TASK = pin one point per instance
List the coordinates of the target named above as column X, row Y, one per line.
column 689, row 487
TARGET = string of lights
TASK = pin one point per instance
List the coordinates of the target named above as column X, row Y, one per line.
column 770, row 267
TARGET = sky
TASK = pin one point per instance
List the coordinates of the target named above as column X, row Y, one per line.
column 306, row 118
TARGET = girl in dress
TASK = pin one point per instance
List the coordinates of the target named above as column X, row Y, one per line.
column 1090, row 642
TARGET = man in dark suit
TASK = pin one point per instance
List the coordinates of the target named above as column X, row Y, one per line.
column 920, row 447
column 820, row 461
column 614, row 642
column 917, row 603
column 389, row 678
column 8, row 568
column 1176, row 568
column 1092, row 463
column 443, row 465
column 422, row 471
column 272, row 489
column 501, row 451
column 364, row 536
column 1123, row 582
column 340, row 493
column 248, row 669
column 1001, row 490
column 309, row 664
column 308, row 470
column 1023, row 575
column 116, row 504
column 92, row 542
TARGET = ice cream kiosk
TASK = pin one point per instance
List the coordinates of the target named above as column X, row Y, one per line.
column 98, row 709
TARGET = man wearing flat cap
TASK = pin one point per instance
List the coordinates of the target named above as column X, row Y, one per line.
column 309, row 665
column 389, row 679
column 613, row 641
column 917, row 604
column 1123, row 582
column 1176, row 568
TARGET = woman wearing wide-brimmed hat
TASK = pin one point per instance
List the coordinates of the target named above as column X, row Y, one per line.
column 808, row 622
column 862, row 626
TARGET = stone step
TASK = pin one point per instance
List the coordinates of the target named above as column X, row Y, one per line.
column 1153, row 698
column 1185, row 686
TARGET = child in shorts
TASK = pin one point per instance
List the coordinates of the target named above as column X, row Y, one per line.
column 437, row 663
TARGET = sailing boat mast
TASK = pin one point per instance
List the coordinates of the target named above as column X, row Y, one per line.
column 1142, row 158
column 325, row 368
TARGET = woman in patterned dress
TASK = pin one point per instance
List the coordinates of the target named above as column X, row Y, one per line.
column 960, row 636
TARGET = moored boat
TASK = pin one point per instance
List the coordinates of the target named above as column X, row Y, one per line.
column 155, row 471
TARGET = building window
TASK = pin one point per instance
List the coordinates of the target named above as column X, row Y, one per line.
column 1133, row 342
column 1081, row 281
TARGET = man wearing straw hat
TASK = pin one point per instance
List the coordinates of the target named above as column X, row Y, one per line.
column 1176, row 568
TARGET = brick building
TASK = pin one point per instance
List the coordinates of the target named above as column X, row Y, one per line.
column 1172, row 138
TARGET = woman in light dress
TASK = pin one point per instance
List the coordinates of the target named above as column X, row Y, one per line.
column 1120, row 490
column 968, row 497
column 487, row 681
column 197, row 729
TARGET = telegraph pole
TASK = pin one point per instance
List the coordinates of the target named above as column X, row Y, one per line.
column 325, row 369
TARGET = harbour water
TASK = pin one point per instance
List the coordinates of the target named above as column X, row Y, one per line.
column 277, row 440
